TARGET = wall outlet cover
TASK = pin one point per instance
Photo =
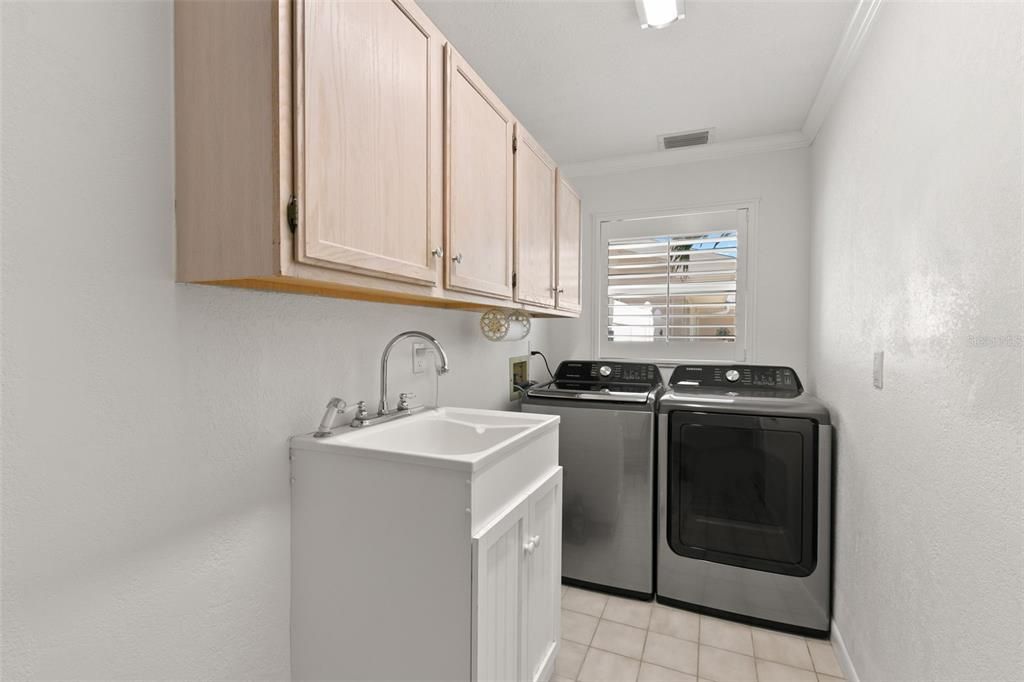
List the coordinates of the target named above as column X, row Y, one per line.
column 877, row 373
column 518, row 373
column 419, row 358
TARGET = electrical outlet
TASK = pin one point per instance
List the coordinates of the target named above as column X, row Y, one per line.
column 419, row 358
column 879, row 363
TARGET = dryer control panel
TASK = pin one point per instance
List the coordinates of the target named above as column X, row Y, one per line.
column 736, row 378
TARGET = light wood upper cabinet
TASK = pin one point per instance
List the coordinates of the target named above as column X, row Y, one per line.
column 568, row 241
column 344, row 148
column 535, row 222
column 369, row 133
column 478, row 184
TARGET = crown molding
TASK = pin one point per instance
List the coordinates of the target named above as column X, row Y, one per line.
column 704, row 152
column 846, row 55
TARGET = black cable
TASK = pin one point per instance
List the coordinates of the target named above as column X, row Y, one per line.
column 546, row 365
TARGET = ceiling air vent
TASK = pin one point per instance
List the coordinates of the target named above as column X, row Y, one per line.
column 690, row 139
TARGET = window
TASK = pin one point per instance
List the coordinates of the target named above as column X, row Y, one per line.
column 672, row 287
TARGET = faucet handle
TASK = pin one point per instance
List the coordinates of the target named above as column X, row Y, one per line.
column 403, row 400
column 361, row 409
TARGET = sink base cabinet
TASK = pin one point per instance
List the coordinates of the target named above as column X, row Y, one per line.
column 410, row 572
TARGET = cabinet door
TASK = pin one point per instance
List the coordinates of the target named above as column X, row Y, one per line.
column 369, row 138
column 534, row 222
column 568, row 239
column 499, row 587
column 478, row 184
column 543, row 578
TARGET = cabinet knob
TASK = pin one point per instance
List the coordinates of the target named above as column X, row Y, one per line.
column 457, row 259
column 438, row 252
column 532, row 544
column 558, row 290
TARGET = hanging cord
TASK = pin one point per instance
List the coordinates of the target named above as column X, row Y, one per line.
column 546, row 365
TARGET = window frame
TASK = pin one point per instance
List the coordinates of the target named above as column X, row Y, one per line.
column 696, row 351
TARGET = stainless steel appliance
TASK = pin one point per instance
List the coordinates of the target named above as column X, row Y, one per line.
column 745, row 497
column 606, row 449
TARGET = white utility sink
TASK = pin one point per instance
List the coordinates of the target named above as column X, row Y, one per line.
column 466, row 502
column 458, row 438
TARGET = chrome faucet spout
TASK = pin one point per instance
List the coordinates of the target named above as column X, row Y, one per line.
column 442, row 363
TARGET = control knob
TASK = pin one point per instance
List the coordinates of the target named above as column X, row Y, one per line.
column 732, row 375
column 605, row 370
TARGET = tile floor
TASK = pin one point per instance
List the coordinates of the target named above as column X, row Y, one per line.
column 609, row 639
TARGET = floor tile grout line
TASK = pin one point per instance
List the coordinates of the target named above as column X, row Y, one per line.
column 584, row 613
column 712, row 646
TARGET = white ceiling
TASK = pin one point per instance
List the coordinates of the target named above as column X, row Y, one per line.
column 590, row 84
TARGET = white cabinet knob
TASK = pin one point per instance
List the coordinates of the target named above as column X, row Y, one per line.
column 457, row 259
column 532, row 544
column 438, row 252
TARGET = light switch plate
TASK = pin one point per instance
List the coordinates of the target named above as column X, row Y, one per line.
column 879, row 362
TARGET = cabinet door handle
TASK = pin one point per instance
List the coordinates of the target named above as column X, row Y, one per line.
column 457, row 259
column 557, row 290
column 533, row 544
column 438, row 252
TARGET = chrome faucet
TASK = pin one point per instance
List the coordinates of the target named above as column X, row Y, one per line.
column 404, row 406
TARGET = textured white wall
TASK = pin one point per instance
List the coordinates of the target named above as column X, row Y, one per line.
column 918, row 248
column 780, row 180
column 145, row 424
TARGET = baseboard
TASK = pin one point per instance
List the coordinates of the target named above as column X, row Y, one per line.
column 842, row 655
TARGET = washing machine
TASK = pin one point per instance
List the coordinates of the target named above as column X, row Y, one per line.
column 606, row 449
column 745, row 497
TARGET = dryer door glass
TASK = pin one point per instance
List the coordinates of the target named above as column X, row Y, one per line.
column 741, row 491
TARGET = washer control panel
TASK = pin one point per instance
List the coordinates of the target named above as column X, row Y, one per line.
column 608, row 372
column 736, row 377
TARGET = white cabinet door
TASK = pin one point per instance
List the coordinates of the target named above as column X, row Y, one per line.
column 543, row 549
column 517, row 570
column 499, row 587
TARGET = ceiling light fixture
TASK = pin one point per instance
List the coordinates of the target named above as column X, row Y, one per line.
column 659, row 13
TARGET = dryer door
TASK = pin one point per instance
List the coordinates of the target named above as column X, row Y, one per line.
column 741, row 491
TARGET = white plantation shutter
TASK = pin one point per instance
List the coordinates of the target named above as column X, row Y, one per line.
column 671, row 286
